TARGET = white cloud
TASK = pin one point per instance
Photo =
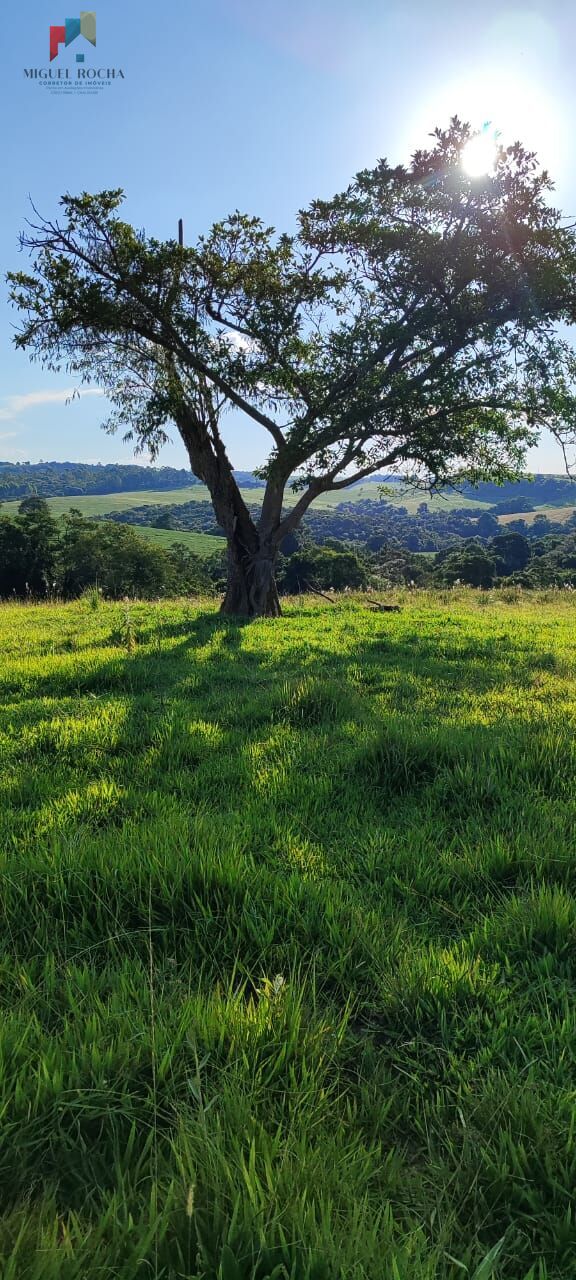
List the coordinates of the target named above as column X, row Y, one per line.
column 8, row 435
column 238, row 341
column 15, row 405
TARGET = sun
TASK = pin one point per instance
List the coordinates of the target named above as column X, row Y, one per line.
column 478, row 157
column 520, row 107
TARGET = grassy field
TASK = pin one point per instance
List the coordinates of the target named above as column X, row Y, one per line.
column 104, row 504
column 202, row 544
column 288, row 956
column 557, row 514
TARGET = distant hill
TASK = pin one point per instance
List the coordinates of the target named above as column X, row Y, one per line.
column 81, row 479
column 541, row 490
column 75, row 479
column 247, row 480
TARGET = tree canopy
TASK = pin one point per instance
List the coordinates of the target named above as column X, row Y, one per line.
column 58, row 479
column 410, row 323
column 41, row 558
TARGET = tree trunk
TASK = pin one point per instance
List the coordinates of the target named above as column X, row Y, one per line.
column 251, row 590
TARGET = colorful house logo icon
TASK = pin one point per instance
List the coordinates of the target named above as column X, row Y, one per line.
column 85, row 26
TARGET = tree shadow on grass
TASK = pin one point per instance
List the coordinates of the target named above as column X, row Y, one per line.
column 272, row 819
column 406, row 753
column 260, row 688
column 284, row 743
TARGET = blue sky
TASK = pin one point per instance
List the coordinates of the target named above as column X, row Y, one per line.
column 257, row 105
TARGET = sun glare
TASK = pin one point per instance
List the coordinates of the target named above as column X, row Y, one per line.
column 479, row 155
column 519, row 107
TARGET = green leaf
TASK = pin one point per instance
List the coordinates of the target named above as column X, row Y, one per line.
column 486, row 1268
column 229, row 1268
column 461, row 1265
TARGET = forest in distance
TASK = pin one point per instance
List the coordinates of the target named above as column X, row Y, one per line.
column 61, row 479
column 178, row 552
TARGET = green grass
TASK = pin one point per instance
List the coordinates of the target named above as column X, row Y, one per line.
column 409, row 499
column 104, row 504
column 288, row 956
column 202, row 544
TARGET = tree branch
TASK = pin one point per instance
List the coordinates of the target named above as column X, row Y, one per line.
column 173, row 340
column 326, row 484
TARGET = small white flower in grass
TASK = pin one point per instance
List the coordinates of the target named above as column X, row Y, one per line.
column 272, row 988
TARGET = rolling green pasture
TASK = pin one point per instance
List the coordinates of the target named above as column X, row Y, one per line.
column 395, row 495
column 202, row 544
column 288, row 948
column 104, row 504
column 558, row 514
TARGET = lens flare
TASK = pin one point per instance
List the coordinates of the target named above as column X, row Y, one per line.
column 479, row 155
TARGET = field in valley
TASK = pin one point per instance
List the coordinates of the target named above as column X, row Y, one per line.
column 288, row 957
column 202, row 544
column 104, row 504
column 557, row 514
column 205, row 544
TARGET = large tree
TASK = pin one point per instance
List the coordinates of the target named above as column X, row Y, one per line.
column 409, row 324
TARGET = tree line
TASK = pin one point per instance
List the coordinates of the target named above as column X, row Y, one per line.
column 75, row 479
column 511, row 557
column 41, row 557
column 506, row 559
column 366, row 522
